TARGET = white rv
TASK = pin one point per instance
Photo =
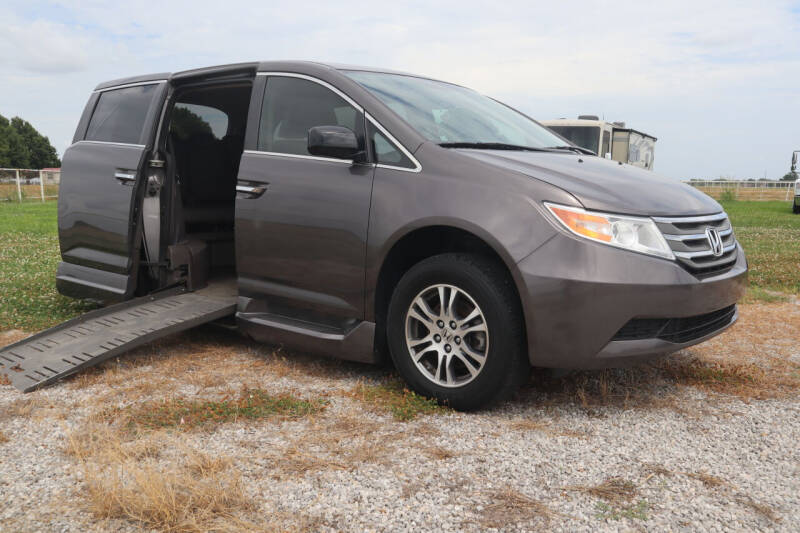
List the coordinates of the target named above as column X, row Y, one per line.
column 607, row 139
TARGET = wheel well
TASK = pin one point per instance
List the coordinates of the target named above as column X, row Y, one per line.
column 413, row 248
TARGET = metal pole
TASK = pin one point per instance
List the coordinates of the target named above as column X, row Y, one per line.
column 41, row 183
column 19, row 189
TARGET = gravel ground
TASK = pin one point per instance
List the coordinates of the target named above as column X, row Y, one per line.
column 702, row 461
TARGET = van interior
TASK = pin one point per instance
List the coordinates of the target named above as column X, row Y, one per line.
column 202, row 147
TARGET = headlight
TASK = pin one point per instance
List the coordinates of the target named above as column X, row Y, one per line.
column 631, row 233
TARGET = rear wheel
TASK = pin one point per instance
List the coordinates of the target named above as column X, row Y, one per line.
column 455, row 331
column 796, row 208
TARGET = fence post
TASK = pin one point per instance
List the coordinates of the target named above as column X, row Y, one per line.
column 19, row 188
column 41, row 183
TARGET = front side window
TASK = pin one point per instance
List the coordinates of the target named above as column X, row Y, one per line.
column 385, row 151
column 292, row 106
column 446, row 113
column 120, row 114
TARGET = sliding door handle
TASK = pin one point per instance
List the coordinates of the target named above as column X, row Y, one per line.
column 124, row 176
column 252, row 191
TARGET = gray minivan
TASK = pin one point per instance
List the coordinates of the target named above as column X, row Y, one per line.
column 358, row 212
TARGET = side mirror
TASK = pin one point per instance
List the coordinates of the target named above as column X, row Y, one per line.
column 333, row 141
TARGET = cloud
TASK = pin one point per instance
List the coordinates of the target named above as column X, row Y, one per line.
column 43, row 46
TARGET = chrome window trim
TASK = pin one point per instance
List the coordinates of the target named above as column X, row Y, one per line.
column 704, row 253
column 126, row 85
column 300, row 156
column 315, row 80
column 692, row 220
column 108, row 142
column 398, row 144
column 695, row 236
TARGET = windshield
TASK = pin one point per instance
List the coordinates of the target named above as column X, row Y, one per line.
column 584, row 136
column 446, row 113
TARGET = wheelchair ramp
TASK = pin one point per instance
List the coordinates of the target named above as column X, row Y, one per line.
column 99, row 335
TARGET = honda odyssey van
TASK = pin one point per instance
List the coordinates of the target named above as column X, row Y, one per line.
column 356, row 212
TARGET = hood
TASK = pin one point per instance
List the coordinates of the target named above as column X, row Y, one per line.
column 604, row 185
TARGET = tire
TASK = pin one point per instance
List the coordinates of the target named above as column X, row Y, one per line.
column 480, row 362
column 796, row 208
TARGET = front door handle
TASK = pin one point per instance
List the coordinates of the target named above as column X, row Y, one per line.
column 125, row 176
column 252, row 191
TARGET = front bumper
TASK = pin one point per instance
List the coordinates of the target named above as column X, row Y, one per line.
column 578, row 294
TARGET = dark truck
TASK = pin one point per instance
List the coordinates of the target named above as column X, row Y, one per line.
column 357, row 212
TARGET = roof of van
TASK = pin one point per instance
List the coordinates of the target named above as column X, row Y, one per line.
column 255, row 66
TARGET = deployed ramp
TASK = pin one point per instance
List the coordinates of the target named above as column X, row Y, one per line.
column 104, row 333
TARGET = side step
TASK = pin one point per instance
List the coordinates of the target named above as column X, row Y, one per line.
column 99, row 335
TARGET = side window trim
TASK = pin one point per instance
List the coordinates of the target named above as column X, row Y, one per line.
column 126, row 85
column 395, row 142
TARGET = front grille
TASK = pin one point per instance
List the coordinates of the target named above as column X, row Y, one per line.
column 677, row 330
column 686, row 237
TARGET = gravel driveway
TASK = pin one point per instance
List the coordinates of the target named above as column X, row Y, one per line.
column 648, row 448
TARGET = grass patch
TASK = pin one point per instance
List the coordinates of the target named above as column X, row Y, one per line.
column 181, row 413
column 769, row 233
column 394, row 397
column 637, row 511
column 758, row 295
column 3, row 438
column 29, row 257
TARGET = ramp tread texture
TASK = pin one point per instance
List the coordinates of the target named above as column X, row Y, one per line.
column 80, row 343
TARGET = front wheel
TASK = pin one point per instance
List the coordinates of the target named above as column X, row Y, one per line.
column 455, row 331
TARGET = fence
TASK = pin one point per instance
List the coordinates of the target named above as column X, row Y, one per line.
column 746, row 190
column 25, row 184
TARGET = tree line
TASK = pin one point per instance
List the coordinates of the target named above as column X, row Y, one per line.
column 21, row 146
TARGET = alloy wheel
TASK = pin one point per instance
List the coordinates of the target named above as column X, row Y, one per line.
column 447, row 335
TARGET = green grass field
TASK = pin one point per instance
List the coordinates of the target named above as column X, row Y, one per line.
column 29, row 255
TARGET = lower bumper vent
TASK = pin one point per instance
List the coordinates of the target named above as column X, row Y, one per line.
column 677, row 330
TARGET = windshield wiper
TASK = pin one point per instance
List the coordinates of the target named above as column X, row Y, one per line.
column 493, row 146
column 577, row 149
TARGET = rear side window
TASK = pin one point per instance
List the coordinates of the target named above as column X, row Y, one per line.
column 292, row 106
column 120, row 114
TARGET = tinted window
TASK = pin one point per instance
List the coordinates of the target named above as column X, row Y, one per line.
column 292, row 106
column 193, row 119
column 119, row 114
column 386, row 152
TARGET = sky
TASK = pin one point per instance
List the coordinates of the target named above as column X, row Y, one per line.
column 718, row 82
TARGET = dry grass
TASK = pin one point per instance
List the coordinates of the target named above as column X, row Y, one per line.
column 725, row 489
column 439, row 453
column 3, row 438
column 525, row 424
column 706, row 479
column 509, row 507
column 124, row 479
column 762, row 509
column 4, row 379
column 189, row 413
column 341, row 443
column 614, row 490
column 394, row 397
